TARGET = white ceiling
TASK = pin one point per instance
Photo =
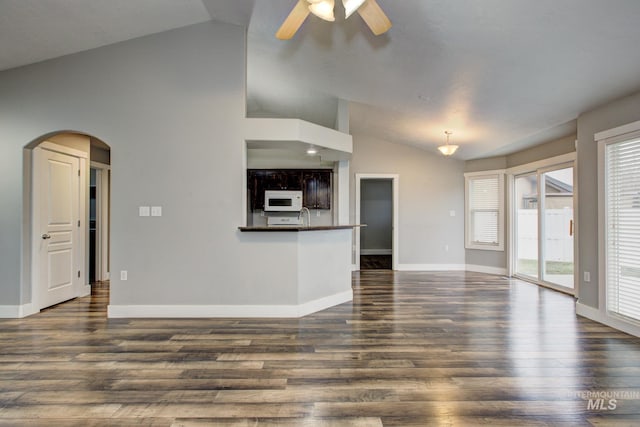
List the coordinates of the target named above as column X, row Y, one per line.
column 501, row 74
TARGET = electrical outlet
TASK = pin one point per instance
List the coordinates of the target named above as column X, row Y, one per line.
column 143, row 211
column 156, row 210
column 452, row 213
column 587, row 276
column 123, row 275
column 446, row 248
column 318, row 212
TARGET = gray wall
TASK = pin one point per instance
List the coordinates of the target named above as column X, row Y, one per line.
column 543, row 151
column 430, row 186
column 171, row 106
column 617, row 113
column 376, row 210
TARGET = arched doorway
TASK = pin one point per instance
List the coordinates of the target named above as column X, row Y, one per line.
column 67, row 192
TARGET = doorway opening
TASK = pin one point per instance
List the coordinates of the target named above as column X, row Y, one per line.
column 66, row 193
column 377, row 208
column 99, row 221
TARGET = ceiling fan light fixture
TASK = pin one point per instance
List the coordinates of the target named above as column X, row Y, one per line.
column 350, row 6
column 323, row 9
column 448, row 149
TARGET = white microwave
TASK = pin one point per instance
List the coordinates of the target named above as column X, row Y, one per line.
column 282, row 201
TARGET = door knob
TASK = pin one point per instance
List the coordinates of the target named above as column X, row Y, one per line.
column 46, row 236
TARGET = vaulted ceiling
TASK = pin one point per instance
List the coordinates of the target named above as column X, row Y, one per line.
column 501, row 74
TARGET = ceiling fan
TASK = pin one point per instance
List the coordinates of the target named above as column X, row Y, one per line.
column 369, row 10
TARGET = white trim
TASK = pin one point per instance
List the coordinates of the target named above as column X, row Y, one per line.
column 86, row 290
column 213, row 311
column 395, row 178
column 354, row 267
column 545, row 284
column 610, row 136
column 602, row 225
column 97, row 165
column 510, row 226
column 431, row 267
column 620, row 130
column 453, row 267
column 596, row 315
column 52, row 146
column 102, row 221
column 376, row 251
column 17, row 311
column 482, row 173
column 486, row 269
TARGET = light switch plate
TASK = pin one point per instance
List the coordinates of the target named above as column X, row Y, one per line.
column 143, row 211
column 156, row 210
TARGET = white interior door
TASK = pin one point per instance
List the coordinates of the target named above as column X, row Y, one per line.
column 57, row 216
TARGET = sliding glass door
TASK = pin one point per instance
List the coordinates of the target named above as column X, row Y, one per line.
column 543, row 226
column 557, row 238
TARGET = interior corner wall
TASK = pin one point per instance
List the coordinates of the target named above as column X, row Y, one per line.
column 430, row 186
column 614, row 114
column 172, row 107
column 498, row 259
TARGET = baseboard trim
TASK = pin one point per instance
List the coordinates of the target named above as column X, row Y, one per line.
column 486, row 269
column 323, row 303
column 375, row 252
column 431, row 267
column 596, row 315
column 213, row 311
column 17, row 311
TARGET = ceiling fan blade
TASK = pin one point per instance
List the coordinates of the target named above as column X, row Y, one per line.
column 295, row 19
column 375, row 17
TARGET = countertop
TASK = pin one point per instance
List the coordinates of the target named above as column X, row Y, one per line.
column 300, row 228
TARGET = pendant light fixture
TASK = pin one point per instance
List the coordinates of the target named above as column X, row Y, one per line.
column 448, row 149
column 323, row 9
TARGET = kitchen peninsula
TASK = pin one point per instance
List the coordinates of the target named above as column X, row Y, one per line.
column 317, row 259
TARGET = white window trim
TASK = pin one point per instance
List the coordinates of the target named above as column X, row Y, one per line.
column 610, row 136
column 467, row 217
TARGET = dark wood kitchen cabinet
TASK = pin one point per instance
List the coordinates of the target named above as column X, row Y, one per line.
column 315, row 185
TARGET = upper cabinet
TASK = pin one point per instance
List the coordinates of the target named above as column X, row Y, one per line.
column 316, row 188
column 314, row 183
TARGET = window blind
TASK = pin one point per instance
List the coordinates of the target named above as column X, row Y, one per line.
column 622, row 186
column 484, row 208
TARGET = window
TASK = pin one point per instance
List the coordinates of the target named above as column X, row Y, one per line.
column 484, row 213
column 622, row 227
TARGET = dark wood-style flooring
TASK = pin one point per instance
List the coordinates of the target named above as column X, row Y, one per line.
column 375, row 262
column 413, row 349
